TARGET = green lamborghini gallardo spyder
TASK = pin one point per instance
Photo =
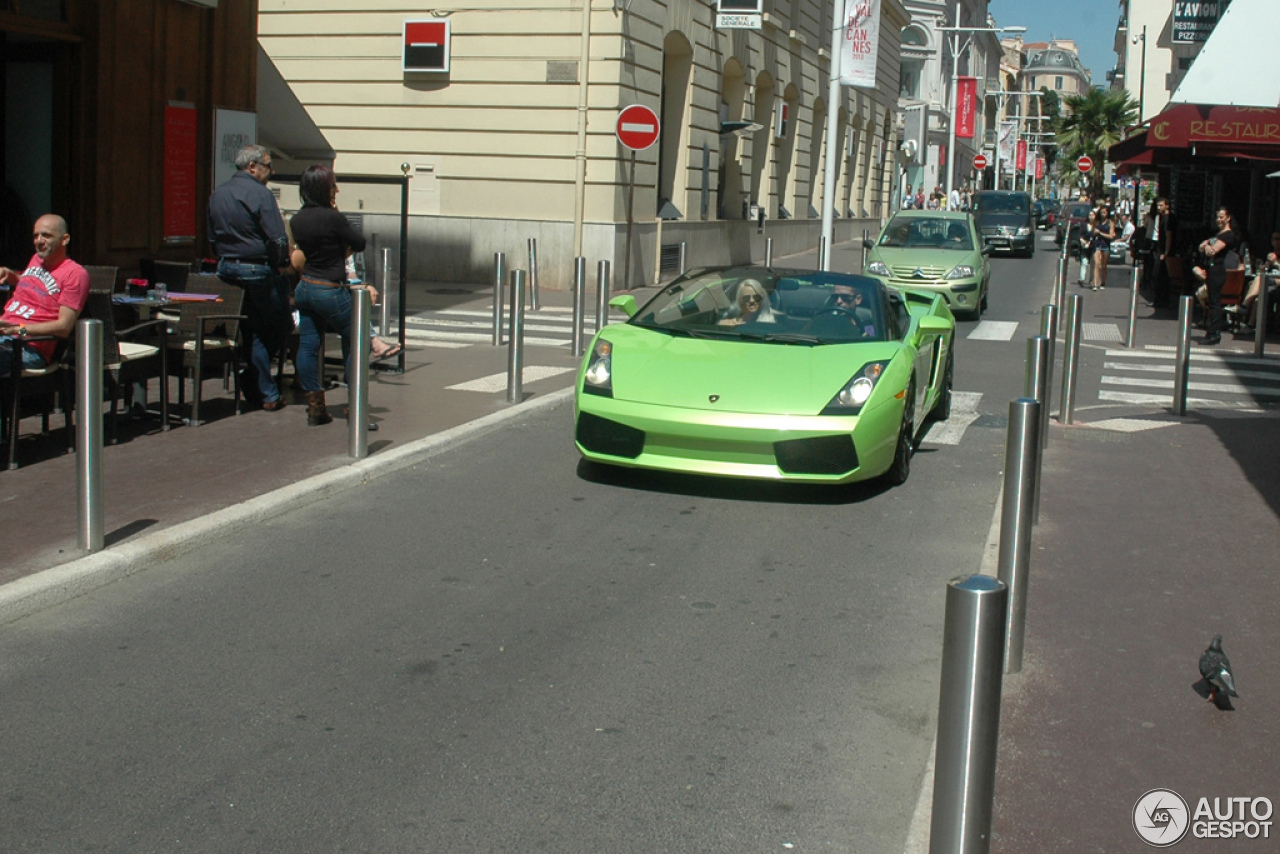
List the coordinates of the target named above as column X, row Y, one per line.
column 755, row 372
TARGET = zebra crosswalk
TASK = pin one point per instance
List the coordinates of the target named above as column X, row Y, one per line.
column 1217, row 380
column 457, row 328
column 1005, row 330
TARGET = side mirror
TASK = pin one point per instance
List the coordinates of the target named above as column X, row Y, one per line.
column 868, row 243
column 931, row 323
column 625, row 304
column 986, row 250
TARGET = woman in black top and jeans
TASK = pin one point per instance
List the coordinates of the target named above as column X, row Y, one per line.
column 322, row 298
column 1223, row 250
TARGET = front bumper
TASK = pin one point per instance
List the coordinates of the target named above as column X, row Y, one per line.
column 960, row 294
column 798, row 448
column 1010, row 242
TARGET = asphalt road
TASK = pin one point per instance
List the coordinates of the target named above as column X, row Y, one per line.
column 496, row 651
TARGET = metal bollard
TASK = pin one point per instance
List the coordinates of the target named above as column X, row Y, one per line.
column 1071, row 359
column 89, row 509
column 1262, row 313
column 533, row 274
column 1021, row 460
column 1182, row 368
column 822, row 252
column 1037, row 388
column 683, row 256
column 358, row 380
column 1060, row 283
column 968, row 716
column 768, row 251
column 515, row 353
column 384, row 284
column 866, row 235
column 1049, row 329
column 1133, row 310
column 602, row 294
column 499, row 277
column 579, row 300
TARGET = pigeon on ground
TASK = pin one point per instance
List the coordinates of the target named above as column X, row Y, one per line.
column 1218, row 683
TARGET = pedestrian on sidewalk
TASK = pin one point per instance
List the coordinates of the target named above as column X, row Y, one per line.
column 1086, row 247
column 322, row 298
column 1104, row 232
column 1223, row 251
column 1160, row 243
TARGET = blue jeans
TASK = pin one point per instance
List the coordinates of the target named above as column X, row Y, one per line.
column 266, row 305
column 320, row 308
column 30, row 358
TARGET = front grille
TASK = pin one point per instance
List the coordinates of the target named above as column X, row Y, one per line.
column 602, row 436
column 819, row 455
column 907, row 273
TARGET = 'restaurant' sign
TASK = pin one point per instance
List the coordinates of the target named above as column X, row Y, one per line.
column 1194, row 20
column 1184, row 124
column 426, row 45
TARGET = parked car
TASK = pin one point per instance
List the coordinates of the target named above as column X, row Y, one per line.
column 1005, row 221
column 755, row 372
column 935, row 251
column 1044, row 212
column 1070, row 219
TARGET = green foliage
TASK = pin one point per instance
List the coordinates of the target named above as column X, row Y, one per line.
column 1090, row 124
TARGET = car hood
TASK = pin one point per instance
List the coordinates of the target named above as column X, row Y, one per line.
column 990, row 219
column 917, row 256
column 749, row 377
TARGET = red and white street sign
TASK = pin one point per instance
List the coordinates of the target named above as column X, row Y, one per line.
column 979, row 162
column 637, row 127
column 1085, row 163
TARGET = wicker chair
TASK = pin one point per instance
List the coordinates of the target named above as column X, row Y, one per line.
column 207, row 340
column 38, row 389
column 139, row 353
column 102, row 278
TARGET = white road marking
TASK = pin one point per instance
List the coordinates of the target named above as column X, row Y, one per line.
column 1130, row 425
column 1166, row 400
column 994, row 330
column 964, row 411
column 498, row 382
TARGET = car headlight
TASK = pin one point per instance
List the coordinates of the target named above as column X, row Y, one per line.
column 877, row 268
column 960, row 271
column 1024, row 230
column 598, row 378
column 857, row 391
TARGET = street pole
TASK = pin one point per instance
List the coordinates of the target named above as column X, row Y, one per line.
column 832, row 165
column 951, row 118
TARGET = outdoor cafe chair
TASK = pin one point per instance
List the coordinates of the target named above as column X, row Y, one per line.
column 207, row 340
column 31, row 391
column 102, row 278
column 136, row 354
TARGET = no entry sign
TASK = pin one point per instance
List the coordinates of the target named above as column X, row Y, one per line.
column 979, row 162
column 637, row 127
column 1085, row 163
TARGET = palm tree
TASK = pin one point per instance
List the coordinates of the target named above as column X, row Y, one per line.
column 1089, row 125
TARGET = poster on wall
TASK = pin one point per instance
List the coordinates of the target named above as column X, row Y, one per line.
column 179, row 172
column 858, row 49
column 232, row 131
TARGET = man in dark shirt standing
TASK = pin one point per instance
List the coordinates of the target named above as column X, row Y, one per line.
column 247, row 233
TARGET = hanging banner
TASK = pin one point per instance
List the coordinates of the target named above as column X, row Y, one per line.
column 1006, row 145
column 1021, row 162
column 966, row 106
column 1039, row 168
column 861, row 41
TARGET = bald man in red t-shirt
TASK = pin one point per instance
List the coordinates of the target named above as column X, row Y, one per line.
column 46, row 298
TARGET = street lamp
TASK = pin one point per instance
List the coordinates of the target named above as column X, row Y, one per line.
column 1142, row 74
column 956, row 49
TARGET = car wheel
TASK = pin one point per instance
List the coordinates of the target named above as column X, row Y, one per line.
column 900, row 468
column 942, row 410
column 982, row 306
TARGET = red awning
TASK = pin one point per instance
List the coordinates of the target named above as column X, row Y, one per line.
column 1236, row 128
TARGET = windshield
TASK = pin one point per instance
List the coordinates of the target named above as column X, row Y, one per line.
column 1078, row 211
column 933, row 232
column 1002, row 203
column 769, row 306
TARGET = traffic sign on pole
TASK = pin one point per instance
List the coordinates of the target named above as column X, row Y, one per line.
column 1085, row 163
column 979, row 162
column 638, row 127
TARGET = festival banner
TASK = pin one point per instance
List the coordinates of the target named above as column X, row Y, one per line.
column 966, row 106
column 1039, row 168
column 1005, row 144
column 1021, row 162
column 858, row 48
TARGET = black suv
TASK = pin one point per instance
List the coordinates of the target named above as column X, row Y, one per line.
column 1006, row 221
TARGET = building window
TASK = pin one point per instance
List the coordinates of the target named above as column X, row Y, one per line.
column 1057, row 83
